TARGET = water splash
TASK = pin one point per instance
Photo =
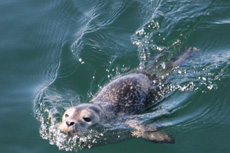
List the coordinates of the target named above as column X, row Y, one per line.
column 199, row 76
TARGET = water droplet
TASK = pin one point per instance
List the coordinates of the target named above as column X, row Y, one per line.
column 210, row 87
column 163, row 65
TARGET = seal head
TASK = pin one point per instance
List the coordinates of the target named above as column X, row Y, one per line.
column 81, row 117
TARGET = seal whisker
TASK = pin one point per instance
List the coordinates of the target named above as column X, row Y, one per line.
column 71, row 102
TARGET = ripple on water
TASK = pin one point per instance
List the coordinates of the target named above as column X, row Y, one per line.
column 166, row 30
column 183, row 108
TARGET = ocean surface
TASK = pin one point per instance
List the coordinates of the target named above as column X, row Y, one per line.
column 55, row 54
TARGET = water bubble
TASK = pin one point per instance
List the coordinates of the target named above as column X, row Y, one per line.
column 81, row 61
column 163, row 65
column 210, row 87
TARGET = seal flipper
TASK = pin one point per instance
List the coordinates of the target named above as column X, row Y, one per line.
column 160, row 65
column 150, row 132
column 189, row 54
column 156, row 137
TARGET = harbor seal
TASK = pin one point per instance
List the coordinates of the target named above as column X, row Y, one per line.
column 126, row 95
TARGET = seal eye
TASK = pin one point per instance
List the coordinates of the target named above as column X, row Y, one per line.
column 87, row 119
column 66, row 115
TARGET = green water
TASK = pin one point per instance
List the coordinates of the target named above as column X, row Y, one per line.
column 57, row 53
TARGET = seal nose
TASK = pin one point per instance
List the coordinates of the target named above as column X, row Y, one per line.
column 69, row 123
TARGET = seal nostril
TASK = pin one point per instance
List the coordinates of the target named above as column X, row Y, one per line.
column 69, row 123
